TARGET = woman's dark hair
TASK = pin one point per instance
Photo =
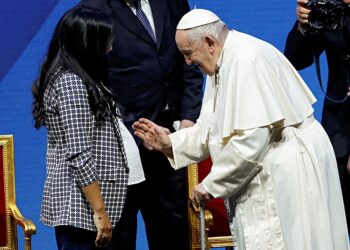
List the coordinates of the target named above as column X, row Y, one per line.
column 79, row 45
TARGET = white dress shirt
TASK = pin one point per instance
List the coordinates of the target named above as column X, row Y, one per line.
column 136, row 174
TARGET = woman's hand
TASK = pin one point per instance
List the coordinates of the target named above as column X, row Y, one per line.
column 104, row 229
column 101, row 219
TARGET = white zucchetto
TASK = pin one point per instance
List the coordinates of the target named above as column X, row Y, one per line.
column 195, row 18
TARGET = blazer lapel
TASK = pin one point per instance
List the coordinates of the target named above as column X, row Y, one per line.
column 122, row 13
column 158, row 11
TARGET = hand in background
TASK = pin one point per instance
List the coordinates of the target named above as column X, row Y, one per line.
column 104, row 229
column 200, row 195
column 349, row 91
column 153, row 136
column 349, row 165
column 186, row 124
column 302, row 14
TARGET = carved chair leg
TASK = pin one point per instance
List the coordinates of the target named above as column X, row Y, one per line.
column 28, row 245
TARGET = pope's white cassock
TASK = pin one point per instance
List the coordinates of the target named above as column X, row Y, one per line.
column 272, row 160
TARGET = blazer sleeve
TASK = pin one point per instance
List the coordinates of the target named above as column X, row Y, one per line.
column 192, row 80
column 300, row 48
column 193, row 92
column 77, row 121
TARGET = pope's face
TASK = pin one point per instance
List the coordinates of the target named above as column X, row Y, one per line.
column 197, row 53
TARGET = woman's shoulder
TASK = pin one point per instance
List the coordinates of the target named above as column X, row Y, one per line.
column 67, row 81
column 67, row 78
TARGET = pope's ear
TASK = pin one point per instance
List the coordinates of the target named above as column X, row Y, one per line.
column 210, row 41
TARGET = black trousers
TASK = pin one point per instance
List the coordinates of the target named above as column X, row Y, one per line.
column 73, row 238
column 345, row 185
column 162, row 200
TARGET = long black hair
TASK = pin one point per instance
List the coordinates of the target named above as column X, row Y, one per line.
column 79, row 44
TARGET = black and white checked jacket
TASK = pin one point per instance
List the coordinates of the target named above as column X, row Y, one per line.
column 79, row 153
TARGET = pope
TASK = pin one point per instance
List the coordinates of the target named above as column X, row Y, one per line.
column 272, row 161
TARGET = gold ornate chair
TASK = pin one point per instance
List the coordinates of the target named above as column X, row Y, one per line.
column 216, row 224
column 10, row 215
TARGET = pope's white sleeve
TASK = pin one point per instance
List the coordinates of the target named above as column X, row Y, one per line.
column 238, row 162
column 187, row 148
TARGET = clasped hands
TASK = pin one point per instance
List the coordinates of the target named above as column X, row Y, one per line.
column 155, row 137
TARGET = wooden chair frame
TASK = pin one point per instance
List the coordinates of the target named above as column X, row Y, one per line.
column 13, row 215
column 194, row 221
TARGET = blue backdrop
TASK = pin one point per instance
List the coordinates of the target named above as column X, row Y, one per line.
column 26, row 27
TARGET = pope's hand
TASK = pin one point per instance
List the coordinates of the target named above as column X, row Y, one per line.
column 200, row 195
column 154, row 137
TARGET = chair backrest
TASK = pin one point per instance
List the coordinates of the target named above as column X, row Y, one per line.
column 9, row 213
column 217, row 227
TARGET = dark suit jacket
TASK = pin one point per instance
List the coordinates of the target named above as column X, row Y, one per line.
column 146, row 77
column 299, row 50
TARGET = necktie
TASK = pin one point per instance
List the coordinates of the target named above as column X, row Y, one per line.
column 143, row 19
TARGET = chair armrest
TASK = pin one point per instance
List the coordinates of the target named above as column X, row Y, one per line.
column 27, row 225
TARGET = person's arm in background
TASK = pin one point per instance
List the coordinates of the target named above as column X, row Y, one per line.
column 192, row 95
column 192, row 81
column 300, row 46
column 77, row 120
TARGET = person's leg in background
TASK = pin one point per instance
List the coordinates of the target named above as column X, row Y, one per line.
column 125, row 232
column 162, row 200
column 165, row 209
column 345, row 185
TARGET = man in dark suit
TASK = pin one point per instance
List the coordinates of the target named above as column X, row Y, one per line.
column 301, row 46
column 150, row 79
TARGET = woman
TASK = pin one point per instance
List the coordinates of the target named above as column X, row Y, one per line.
column 86, row 165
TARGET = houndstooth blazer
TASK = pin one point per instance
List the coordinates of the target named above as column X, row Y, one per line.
column 79, row 153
